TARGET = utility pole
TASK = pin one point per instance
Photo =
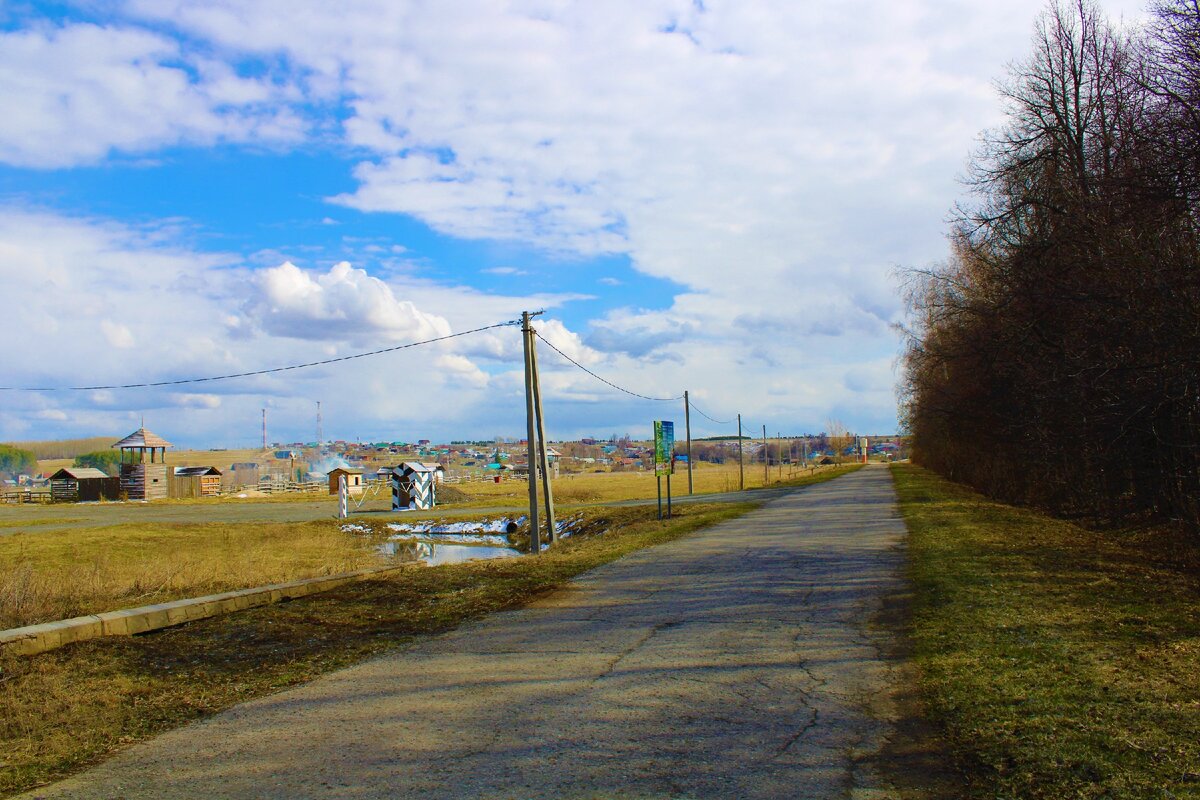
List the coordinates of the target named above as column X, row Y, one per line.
column 264, row 430
column 543, row 459
column 535, row 546
column 687, row 424
column 766, row 458
column 741, row 466
column 320, row 433
column 779, row 452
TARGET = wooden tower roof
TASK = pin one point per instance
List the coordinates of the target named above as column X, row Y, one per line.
column 142, row 438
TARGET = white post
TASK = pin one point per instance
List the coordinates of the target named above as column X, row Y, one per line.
column 343, row 498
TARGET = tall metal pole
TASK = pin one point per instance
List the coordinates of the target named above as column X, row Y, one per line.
column 264, row 430
column 687, row 424
column 741, row 466
column 766, row 458
column 535, row 545
column 543, row 457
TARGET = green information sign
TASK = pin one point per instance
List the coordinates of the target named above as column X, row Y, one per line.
column 664, row 447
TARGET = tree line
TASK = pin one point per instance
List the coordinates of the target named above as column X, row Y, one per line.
column 1052, row 359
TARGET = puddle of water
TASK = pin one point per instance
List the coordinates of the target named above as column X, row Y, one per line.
column 434, row 553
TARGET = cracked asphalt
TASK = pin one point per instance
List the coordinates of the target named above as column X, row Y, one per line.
column 739, row 662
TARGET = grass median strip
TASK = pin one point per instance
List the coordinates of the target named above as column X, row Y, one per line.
column 65, row 709
column 1059, row 661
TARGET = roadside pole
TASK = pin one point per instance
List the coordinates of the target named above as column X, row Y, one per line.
column 535, row 545
column 687, row 425
column 668, row 495
column 779, row 452
column 766, row 459
column 741, row 465
column 543, row 459
column 658, row 483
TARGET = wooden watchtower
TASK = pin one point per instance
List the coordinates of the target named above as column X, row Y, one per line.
column 143, row 479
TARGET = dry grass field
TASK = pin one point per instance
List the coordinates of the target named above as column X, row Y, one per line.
column 48, row 576
column 66, row 560
column 65, row 709
column 605, row 487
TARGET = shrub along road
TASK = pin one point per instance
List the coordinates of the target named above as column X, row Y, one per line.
column 742, row 661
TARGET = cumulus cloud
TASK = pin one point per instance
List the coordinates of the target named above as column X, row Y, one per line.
column 344, row 304
column 771, row 160
column 76, row 92
column 118, row 335
column 193, row 320
column 569, row 342
column 186, row 400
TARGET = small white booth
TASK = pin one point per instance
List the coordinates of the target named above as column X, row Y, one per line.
column 414, row 485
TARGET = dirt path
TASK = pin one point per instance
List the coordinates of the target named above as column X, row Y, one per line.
column 739, row 662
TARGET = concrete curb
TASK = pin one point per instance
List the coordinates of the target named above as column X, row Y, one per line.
column 132, row 621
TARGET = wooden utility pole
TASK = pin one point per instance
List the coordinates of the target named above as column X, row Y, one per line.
column 535, row 546
column 543, row 458
column 741, row 465
column 766, row 459
column 779, row 452
column 687, row 425
column 264, row 430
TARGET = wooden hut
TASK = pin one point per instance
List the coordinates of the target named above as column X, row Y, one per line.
column 82, row 485
column 142, row 477
column 354, row 480
column 195, row 482
column 244, row 473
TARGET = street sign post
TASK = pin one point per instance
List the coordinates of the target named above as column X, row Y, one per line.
column 664, row 459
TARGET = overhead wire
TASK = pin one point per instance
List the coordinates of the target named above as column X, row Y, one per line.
column 182, row 381
column 696, row 408
column 605, row 380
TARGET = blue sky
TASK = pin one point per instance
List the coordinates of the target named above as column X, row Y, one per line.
column 713, row 197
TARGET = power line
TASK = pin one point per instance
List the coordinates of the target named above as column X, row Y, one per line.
column 605, row 380
column 707, row 417
column 182, row 381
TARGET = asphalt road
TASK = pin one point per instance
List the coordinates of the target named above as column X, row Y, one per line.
column 740, row 662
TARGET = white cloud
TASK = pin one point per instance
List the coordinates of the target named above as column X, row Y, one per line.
column 344, row 304
column 774, row 159
column 188, row 316
column 75, row 93
column 207, row 401
column 116, row 334
column 503, row 271
column 556, row 333
column 461, row 372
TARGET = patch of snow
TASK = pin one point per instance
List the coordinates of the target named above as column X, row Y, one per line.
column 452, row 538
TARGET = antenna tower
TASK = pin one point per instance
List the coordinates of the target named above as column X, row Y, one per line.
column 320, row 433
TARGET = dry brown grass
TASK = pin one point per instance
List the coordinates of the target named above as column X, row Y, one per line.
column 602, row 487
column 65, row 709
column 59, row 574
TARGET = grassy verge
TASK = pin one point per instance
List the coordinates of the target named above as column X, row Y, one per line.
column 1059, row 662
column 46, row 576
column 63, row 710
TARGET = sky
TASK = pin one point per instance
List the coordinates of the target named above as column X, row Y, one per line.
column 707, row 196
